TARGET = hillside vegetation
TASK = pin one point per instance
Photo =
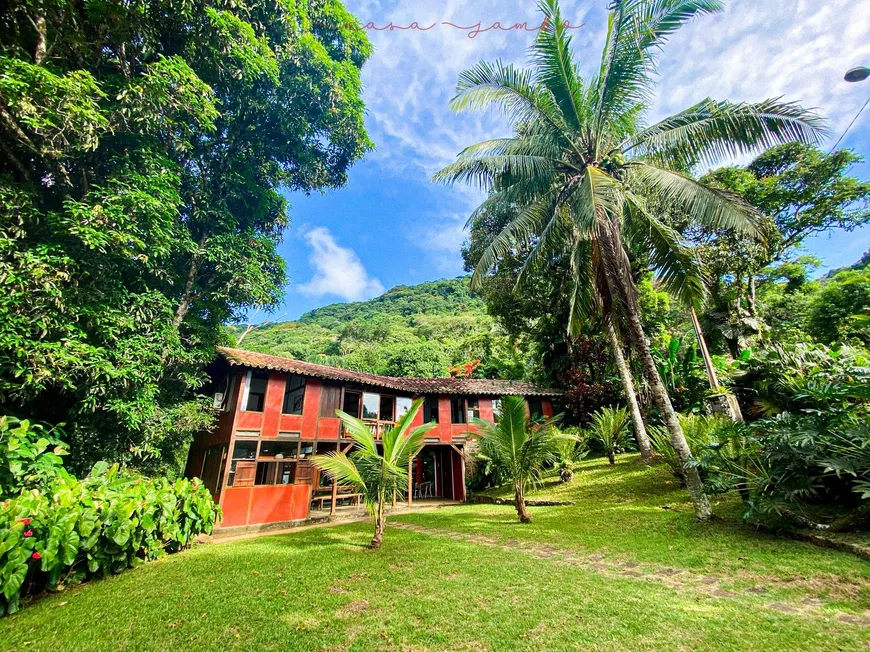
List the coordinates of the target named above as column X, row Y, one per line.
column 419, row 330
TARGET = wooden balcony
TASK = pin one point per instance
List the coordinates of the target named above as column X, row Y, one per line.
column 377, row 428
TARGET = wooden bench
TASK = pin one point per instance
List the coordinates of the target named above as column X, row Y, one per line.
column 321, row 500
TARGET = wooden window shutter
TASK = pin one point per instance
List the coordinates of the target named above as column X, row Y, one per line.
column 245, row 472
column 330, row 399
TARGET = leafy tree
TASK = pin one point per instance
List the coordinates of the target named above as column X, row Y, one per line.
column 841, row 309
column 377, row 474
column 581, row 169
column 143, row 145
column 800, row 191
column 522, row 449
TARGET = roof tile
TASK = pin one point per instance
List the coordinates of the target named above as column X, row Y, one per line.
column 465, row 386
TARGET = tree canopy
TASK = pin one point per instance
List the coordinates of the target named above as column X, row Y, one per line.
column 145, row 146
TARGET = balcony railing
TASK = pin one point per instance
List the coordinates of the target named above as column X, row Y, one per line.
column 377, row 428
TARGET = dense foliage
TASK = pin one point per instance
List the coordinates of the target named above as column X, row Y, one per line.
column 143, row 145
column 56, row 530
column 420, row 330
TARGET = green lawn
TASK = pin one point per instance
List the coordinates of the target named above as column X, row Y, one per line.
column 615, row 571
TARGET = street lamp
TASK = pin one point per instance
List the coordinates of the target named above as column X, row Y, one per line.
column 858, row 74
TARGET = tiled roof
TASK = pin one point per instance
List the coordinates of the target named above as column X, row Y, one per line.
column 467, row 386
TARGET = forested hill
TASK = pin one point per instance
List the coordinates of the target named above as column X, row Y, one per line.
column 419, row 330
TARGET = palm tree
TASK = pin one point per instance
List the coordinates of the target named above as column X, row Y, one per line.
column 583, row 170
column 522, row 448
column 376, row 474
column 608, row 427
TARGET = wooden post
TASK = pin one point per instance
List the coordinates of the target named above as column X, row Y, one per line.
column 410, row 482
column 334, row 496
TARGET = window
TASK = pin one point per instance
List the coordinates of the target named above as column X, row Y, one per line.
column 325, row 480
column 457, row 409
column 351, row 404
column 247, row 434
column 294, row 395
column 245, row 450
column 403, row 405
column 536, row 409
column 243, row 466
column 264, row 462
column 255, row 391
column 388, row 404
column 279, row 450
column 430, row 409
column 473, row 408
column 306, row 449
column 496, row 408
column 371, row 402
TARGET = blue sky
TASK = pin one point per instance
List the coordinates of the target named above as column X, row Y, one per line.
column 391, row 226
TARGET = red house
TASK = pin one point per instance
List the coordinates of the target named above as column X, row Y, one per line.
column 275, row 413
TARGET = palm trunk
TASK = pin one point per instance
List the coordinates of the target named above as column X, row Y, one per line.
column 618, row 270
column 611, row 456
column 663, row 402
column 643, row 442
column 520, row 501
column 380, row 525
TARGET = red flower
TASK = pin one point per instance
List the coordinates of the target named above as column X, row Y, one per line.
column 27, row 521
column 28, row 533
column 36, row 555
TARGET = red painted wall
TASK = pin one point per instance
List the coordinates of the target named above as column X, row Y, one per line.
column 310, row 408
column 547, row 407
column 268, row 504
column 273, row 404
column 486, row 409
column 290, row 422
column 327, row 428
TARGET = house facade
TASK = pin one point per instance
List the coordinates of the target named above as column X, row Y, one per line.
column 275, row 413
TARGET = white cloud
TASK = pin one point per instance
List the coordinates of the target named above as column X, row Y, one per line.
column 752, row 51
column 339, row 270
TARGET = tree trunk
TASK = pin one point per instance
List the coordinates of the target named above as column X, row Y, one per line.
column 380, row 526
column 520, row 501
column 663, row 402
column 611, row 456
column 643, row 442
column 40, row 49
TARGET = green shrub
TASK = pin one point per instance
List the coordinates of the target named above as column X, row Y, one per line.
column 701, row 431
column 570, row 452
column 808, row 463
column 609, row 427
column 57, row 530
column 30, row 455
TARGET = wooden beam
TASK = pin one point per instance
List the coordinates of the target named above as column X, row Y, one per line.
column 334, row 496
column 410, row 482
column 456, row 448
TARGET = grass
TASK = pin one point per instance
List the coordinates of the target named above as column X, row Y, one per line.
column 321, row 589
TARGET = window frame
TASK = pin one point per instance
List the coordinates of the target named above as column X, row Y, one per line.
column 267, row 469
column 288, row 392
column 472, row 412
column 461, row 411
column 431, row 409
column 247, row 393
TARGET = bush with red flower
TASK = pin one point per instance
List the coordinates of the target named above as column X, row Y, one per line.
column 54, row 534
